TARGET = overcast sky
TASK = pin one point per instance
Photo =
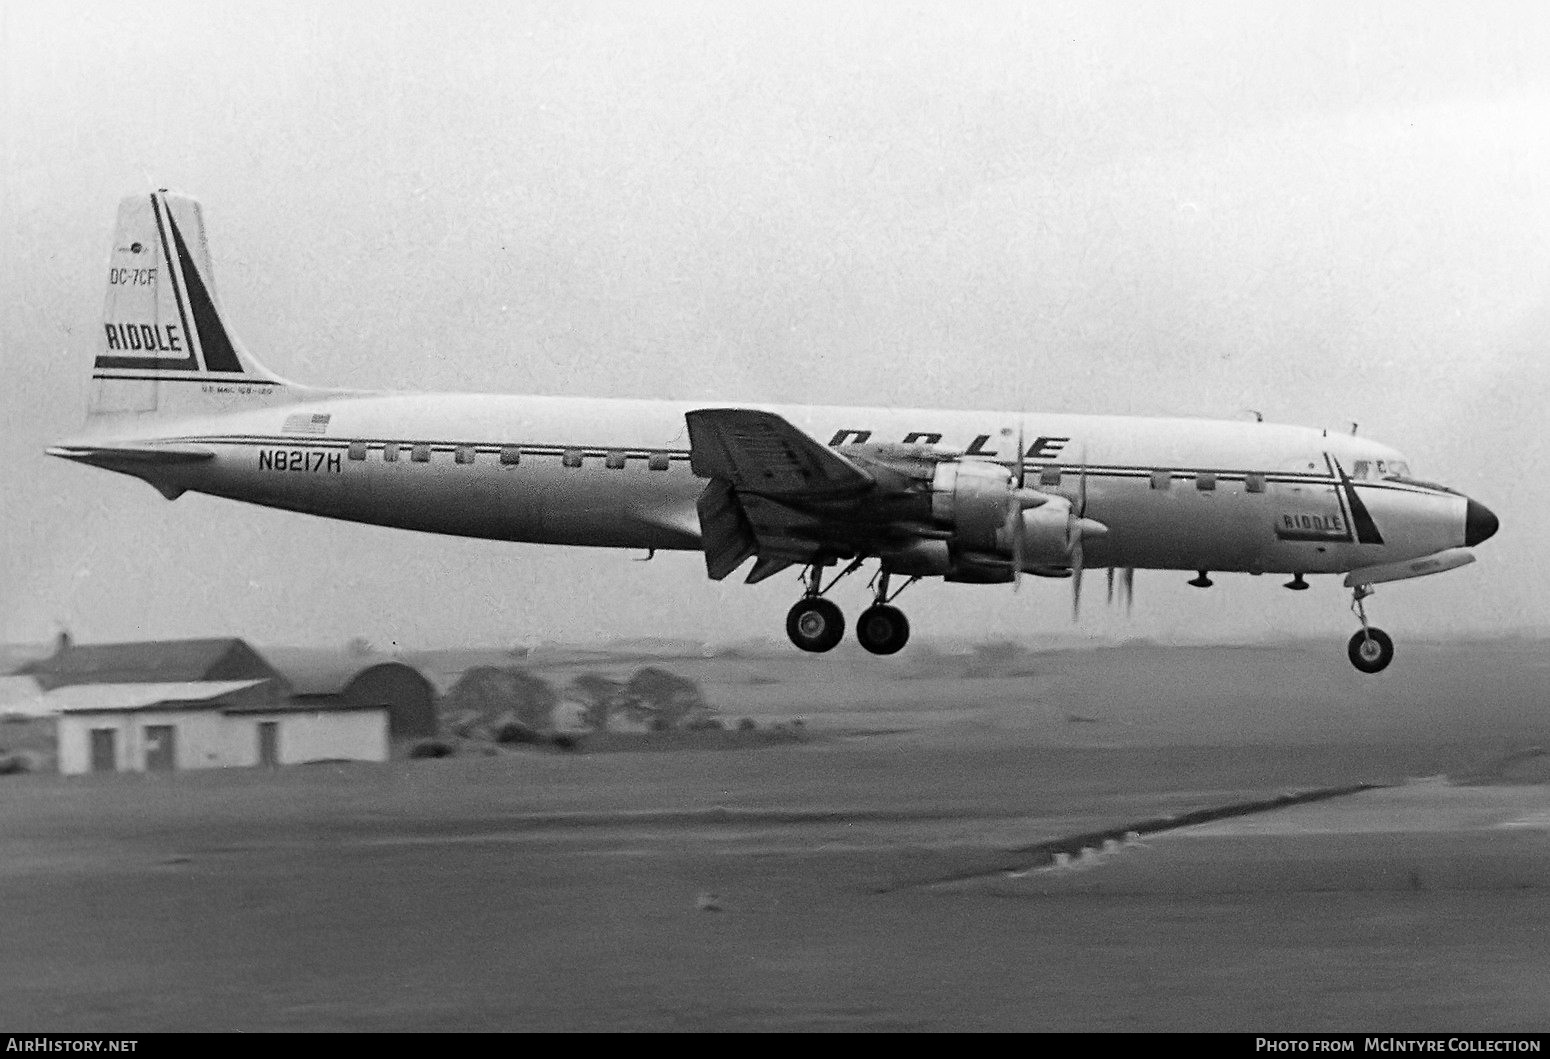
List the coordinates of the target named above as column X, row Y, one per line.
column 1331, row 212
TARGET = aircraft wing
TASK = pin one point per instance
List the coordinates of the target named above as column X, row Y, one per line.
column 765, row 477
column 763, row 454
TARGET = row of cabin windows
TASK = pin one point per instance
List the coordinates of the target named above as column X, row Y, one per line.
column 510, row 455
column 1205, row 481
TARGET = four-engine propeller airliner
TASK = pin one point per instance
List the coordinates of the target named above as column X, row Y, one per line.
column 979, row 497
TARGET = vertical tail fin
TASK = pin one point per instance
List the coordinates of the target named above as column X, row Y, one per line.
column 165, row 348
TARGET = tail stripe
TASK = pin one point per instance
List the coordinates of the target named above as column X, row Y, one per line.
column 213, row 340
column 172, row 277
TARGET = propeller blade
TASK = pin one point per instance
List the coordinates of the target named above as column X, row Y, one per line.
column 1110, row 599
column 1014, row 502
column 1021, row 457
column 1081, row 487
column 1128, row 586
column 1076, row 578
column 1017, row 548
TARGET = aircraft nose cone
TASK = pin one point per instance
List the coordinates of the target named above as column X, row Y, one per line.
column 1479, row 523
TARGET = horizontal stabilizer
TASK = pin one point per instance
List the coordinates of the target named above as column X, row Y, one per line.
column 761, row 453
column 121, row 455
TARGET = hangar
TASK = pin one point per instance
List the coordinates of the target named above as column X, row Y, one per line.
column 219, row 702
column 331, row 678
column 206, row 724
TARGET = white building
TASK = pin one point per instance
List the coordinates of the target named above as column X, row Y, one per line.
column 206, row 724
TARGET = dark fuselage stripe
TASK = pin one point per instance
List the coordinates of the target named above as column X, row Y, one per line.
column 1343, row 488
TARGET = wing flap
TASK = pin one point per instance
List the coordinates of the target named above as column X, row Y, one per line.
column 725, row 535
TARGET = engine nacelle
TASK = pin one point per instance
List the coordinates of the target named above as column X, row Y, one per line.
column 1047, row 534
column 917, row 558
column 974, row 499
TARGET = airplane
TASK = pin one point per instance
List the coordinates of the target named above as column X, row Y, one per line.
column 968, row 496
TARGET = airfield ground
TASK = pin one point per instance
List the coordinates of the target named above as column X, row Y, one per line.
column 893, row 872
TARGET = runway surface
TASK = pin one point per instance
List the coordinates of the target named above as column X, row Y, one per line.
column 925, row 879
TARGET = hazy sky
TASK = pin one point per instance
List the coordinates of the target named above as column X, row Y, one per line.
column 1330, row 212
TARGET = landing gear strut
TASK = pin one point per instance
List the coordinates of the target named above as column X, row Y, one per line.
column 883, row 629
column 815, row 624
column 1370, row 650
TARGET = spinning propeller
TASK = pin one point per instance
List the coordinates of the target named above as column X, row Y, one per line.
column 1078, row 527
column 1127, row 586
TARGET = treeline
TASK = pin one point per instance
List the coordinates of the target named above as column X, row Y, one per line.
column 487, row 700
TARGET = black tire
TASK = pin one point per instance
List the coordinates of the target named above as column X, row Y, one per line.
column 882, row 629
column 815, row 624
column 1371, row 650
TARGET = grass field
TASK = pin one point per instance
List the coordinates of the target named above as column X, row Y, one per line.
column 797, row 885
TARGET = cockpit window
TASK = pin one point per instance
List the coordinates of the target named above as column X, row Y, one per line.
column 1373, row 470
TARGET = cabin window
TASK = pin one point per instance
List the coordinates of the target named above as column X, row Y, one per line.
column 1049, row 476
column 1205, row 481
column 1162, row 479
column 658, row 461
column 1254, row 483
column 357, row 450
column 390, row 452
column 572, row 458
column 511, row 455
column 465, row 454
column 615, row 461
column 421, row 453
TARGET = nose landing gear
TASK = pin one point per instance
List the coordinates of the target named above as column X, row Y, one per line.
column 1370, row 650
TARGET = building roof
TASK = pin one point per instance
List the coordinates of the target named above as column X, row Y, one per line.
column 321, row 671
column 102, row 698
column 157, row 661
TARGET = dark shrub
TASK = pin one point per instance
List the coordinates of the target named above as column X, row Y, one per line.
column 427, row 748
column 515, row 732
column 565, row 741
column 600, row 698
column 663, row 700
column 490, row 691
column 747, row 724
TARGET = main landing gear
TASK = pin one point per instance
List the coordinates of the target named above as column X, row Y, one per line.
column 1371, row 650
column 816, row 624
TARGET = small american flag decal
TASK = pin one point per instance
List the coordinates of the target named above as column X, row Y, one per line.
column 307, row 423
